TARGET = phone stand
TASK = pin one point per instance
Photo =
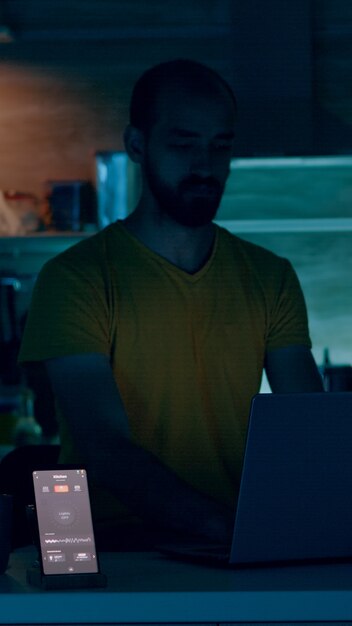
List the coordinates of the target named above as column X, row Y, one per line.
column 64, row 581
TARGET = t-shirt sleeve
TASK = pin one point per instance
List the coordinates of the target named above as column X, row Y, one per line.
column 288, row 319
column 68, row 314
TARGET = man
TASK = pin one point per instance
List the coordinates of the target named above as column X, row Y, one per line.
column 155, row 331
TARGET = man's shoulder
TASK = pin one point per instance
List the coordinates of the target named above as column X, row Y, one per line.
column 249, row 252
column 259, row 267
column 87, row 254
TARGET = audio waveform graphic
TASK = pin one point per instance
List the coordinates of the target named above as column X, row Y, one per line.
column 67, row 540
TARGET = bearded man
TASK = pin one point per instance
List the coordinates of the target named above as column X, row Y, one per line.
column 155, row 331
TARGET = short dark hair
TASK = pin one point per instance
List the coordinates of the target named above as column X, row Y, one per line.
column 198, row 78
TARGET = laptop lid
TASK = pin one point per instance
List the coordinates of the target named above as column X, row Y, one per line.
column 295, row 500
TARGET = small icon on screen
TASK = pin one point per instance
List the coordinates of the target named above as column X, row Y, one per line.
column 61, row 488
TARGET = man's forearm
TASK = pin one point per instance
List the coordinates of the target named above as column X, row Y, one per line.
column 88, row 397
column 156, row 494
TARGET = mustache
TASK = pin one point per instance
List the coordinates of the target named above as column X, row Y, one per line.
column 199, row 181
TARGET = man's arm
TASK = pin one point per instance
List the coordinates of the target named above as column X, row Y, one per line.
column 292, row 370
column 89, row 398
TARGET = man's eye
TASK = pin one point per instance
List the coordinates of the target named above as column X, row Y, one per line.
column 222, row 146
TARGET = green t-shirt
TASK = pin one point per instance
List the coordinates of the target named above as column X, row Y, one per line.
column 187, row 350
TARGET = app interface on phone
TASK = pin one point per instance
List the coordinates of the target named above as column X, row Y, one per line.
column 65, row 522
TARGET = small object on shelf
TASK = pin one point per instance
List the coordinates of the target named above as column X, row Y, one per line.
column 19, row 213
column 336, row 377
column 69, row 205
column 27, row 431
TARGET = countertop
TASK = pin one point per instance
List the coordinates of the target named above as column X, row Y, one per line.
column 150, row 588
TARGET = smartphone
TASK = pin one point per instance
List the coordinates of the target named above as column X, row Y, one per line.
column 66, row 536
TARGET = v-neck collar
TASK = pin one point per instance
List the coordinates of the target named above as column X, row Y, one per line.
column 169, row 266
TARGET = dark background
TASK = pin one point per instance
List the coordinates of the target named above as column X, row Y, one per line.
column 66, row 76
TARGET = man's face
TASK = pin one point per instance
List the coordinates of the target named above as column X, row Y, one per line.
column 188, row 154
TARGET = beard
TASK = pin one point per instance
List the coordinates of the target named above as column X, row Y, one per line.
column 193, row 202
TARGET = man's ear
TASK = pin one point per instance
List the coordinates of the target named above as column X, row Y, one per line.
column 134, row 143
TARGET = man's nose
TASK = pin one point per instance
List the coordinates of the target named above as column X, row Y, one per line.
column 202, row 162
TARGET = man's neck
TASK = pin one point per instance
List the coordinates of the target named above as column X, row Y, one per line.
column 186, row 248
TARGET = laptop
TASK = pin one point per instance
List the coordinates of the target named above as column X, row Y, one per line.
column 295, row 497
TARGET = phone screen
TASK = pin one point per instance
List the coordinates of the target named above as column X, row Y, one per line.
column 65, row 522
